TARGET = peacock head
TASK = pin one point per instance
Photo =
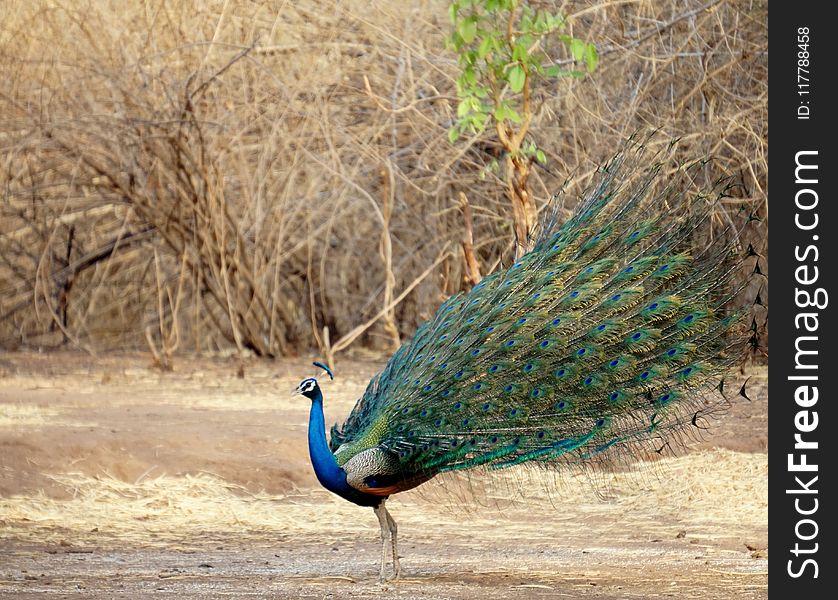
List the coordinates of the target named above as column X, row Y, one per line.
column 309, row 387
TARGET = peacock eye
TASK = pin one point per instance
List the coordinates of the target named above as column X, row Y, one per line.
column 307, row 385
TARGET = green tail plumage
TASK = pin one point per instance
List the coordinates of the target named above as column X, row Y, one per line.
column 607, row 334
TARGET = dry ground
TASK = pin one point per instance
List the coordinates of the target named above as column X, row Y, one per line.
column 117, row 479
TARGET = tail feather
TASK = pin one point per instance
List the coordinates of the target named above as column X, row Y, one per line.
column 609, row 332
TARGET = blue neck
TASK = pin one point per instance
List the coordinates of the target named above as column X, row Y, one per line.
column 329, row 474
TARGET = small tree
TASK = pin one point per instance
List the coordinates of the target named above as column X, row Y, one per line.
column 504, row 48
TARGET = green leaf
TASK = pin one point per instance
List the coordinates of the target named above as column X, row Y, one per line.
column 463, row 109
column 555, row 21
column 591, row 58
column 578, row 49
column 469, row 76
column 452, row 12
column 526, row 23
column 468, row 29
column 539, row 24
column 504, row 111
column 517, row 76
column 553, row 71
column 456, row 41
column 453, row 134
column 519, row 51
column 485, row 47
column 540, row 156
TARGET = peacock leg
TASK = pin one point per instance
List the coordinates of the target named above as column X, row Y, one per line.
column 382, row 515
column 394, row 530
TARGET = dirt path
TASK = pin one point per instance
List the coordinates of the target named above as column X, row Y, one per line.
column 118, row 479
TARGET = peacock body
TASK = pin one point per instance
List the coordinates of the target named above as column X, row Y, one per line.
column 608, row 335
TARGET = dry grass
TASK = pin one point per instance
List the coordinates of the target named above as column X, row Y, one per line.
column 161, row 492
column 22, row 415
column 201, row 176
column 715, row 495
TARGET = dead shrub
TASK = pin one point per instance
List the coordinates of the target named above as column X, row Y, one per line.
column 273, row 178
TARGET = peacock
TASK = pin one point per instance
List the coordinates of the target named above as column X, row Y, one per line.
column 611, row 335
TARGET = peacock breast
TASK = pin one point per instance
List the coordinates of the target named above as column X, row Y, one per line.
column 377, row 471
